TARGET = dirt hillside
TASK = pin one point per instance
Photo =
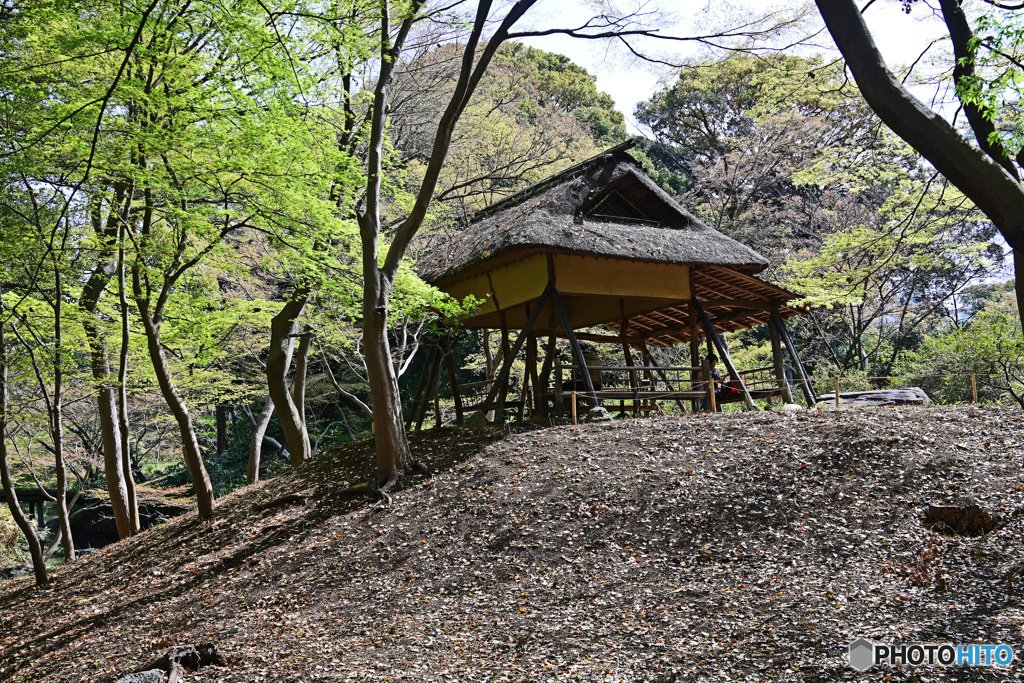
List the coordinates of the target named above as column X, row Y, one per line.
column 744, row 546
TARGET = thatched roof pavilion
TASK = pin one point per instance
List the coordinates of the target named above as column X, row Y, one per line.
column 603, row 243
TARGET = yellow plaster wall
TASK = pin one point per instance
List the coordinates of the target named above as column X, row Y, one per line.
column 614, row 277
column 513, row 284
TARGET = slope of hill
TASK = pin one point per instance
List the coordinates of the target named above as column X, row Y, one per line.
column 734, row 547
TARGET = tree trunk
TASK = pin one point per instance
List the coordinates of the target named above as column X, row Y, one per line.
column 974, row 172
column 132, row 499
column 106, row 403
column 394, row 458
column 282, row 329
column 34, row 546
column 189, row 441
column 57, row 419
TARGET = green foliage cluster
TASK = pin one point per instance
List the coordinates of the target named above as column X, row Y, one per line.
column 10, row 539
column 990, row 345
column 997, row 84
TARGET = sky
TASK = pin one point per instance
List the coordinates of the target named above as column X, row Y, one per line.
column 900, row 37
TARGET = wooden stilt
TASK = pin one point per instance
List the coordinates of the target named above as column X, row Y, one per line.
column 576, row 349
column 724, row 353
column 694, row 351
column 545, row 371
column 531, row 371
column 709, row 389
column 780, row 366
column 435, row 362
column 798, row 367
column 506, row 366
column 438, row 420
column 453, row 379
column 505, row 351
column 421, row 383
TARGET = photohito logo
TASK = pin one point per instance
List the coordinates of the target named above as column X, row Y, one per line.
column 864, row 654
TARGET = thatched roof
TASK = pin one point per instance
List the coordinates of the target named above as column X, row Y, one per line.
column 604, row 206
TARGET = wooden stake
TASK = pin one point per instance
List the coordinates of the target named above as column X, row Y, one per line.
column 837, row 391
column 574, row 407
column 974, row 387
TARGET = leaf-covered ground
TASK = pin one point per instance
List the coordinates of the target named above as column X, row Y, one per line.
column 740, row 546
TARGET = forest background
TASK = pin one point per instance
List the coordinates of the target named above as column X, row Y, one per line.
column 211, row 215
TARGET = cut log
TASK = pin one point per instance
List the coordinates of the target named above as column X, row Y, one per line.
column 965, row 518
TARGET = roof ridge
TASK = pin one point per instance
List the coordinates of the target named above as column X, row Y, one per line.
column 555, row 179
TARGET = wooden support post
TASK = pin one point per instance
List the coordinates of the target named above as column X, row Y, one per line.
column 435, row 362
column 437, row 393
column 453, row 379
column 505, row 352
column 974, row 387
column 837, row 391
column 574, row 343
column 545, row 371
column 627, row 355
column 798, row 367
column 780, row 365
column 421, row 383
column 574, row 407
column 531, row 365
column 506, row 366
column 709, row 388
column 694, row 351
column 724, row 353
column 41, row 513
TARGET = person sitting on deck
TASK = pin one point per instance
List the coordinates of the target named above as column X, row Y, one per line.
column 716, row 378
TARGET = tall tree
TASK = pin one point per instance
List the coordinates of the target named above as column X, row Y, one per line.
column 986, row 172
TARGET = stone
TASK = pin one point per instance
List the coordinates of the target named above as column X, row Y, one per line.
column 151, row 676
column 791, row 408
column 598, row 414
column 15, row 572
column 913, row 396
column 476, row 419
column 965, row 518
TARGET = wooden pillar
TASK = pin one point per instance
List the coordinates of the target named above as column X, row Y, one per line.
column 780, row 366
column 798, row 367
column 545, row 371
column 694, row 351
column 709, row 388
column 505, row 351
column 724, row 353
column 421, row 383
column 506, row 366
column 576, row 349
column 531, row 371
column 453, row 379
column 424, row 403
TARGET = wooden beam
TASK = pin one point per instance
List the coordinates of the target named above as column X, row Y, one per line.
column 576, row 349
column 724, row 353
column 453, row 379
column 780, row 366
column 798, row 367
column 506, row 366
column 694, row 352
